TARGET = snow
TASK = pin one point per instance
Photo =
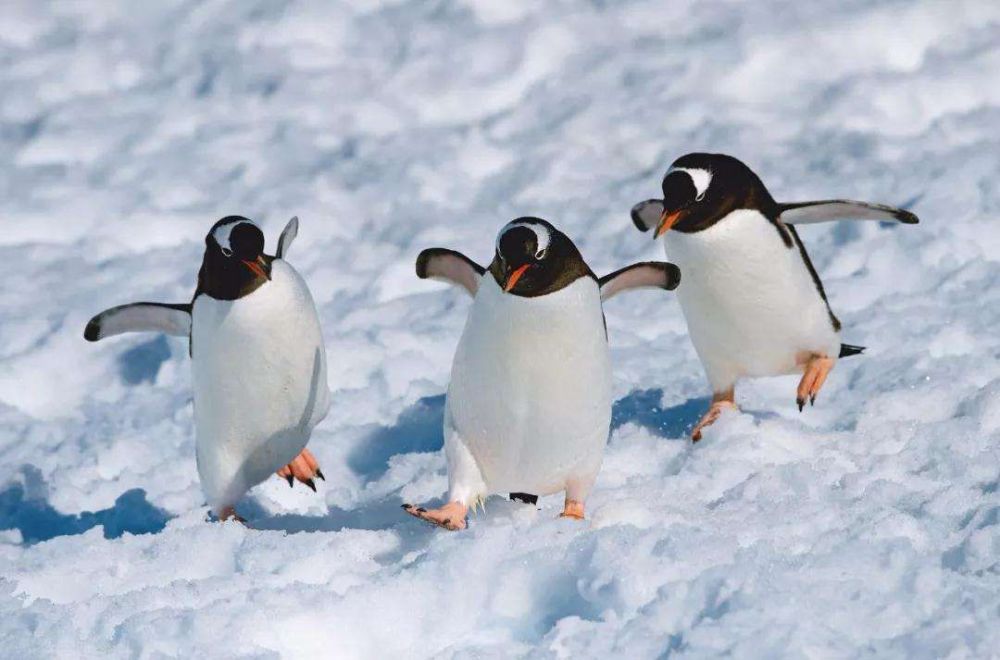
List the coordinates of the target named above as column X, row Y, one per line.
column 866, row 526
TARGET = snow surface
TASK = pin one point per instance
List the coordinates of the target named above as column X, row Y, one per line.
column 866, row 526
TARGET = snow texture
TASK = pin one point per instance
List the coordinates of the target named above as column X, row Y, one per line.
column 866, row 526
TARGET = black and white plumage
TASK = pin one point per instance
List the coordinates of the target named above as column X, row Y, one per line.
column 753, row 301
column 258, row 359
column 529, row 402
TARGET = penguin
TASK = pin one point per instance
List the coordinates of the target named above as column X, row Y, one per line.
column 528, row 408
column 258, row 361
column 753, row 302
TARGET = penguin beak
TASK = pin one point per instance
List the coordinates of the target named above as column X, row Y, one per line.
column 258, row 267
column 514, row 277
column 667, row 220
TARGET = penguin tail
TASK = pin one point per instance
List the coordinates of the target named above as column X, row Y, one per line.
column 847, row 350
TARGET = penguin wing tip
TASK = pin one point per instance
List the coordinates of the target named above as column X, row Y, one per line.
column 638, row 222
column 422, row 261
column 673, row 273
column 93, row 330
column 636, row 214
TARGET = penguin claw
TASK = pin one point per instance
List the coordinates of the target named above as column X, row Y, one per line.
column 817, row 368
column 302, row 468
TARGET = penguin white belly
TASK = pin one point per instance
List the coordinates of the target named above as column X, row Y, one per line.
column 259, row 376
column 749, row 300
column 530, row 392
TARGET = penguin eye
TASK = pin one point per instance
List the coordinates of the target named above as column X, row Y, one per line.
column 541, row 253
column 226, row 252
column 700, row 196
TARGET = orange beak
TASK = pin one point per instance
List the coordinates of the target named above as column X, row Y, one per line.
column 667, row 220
column 514, row 277
column 257, row 267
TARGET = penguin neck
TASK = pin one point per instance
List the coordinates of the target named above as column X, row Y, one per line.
column 228, row 279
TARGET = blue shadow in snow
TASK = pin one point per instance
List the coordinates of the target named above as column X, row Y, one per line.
column 141, row 363
column 643, row 408
column 418, row 429
column 38, row 521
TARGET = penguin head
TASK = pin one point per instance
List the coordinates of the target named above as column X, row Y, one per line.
column 698, row 191
column 234, row 262
column 534, row 258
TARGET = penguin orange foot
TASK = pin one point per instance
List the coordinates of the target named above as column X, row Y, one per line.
column 572, row 509
column 451, row 516
column 720, row 401
column 303, row 468
column 229, row 513
column 817, row 369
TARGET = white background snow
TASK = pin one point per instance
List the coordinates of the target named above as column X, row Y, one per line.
column 866, row 526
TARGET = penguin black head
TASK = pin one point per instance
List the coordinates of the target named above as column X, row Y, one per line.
column 234, row 262
column 698, row 191
column 534, row 258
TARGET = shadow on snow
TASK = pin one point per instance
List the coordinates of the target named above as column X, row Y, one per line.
column 24, row 509
column 643, row 408
column 418, row 429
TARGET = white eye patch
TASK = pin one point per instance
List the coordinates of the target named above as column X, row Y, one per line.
column 542, row 236
column 699, row 177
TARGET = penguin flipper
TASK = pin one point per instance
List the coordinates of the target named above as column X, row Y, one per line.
column 807, row 213
column 646, row 215
column 658, row 274
column 140, row 317
column 450, row 266
column 288, row 235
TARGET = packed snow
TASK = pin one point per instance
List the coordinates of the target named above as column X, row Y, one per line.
column 868, row 525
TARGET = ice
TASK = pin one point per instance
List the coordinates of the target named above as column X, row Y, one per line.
column 868, row 525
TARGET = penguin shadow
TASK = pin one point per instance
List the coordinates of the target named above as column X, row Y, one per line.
column 25, row 507
column 643, row 408
column 141, row 364
column 417, row 429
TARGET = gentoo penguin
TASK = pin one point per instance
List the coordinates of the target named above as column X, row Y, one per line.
column 257, row 358
column 529, row 404
column 753, row 302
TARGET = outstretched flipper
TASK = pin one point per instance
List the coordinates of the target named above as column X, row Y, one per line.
column 450, row 266
column 140, row 317
column 807, row 213
column 646, row 215
column 288, row 235
column 655, row 274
